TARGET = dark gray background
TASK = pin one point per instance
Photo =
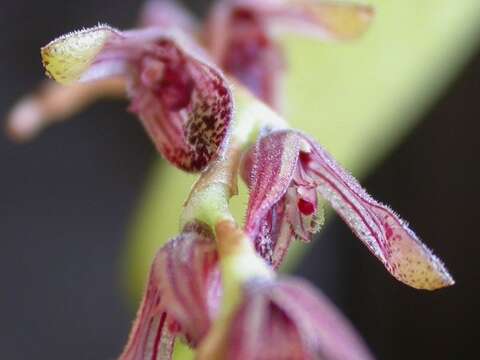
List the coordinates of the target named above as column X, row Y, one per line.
column 65, row 200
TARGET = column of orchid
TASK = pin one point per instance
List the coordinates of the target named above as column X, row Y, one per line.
column 209, row 110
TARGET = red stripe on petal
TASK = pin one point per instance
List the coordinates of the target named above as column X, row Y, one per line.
column 385, row 234
column 274, row 160
column 324, row 330
column 288, row 319
column 181, row 298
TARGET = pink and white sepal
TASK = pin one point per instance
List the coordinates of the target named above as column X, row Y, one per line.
column 289, row 319
column 181, row 298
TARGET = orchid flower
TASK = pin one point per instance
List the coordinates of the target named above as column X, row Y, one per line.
column 214, row 286
column 289, row 170
column 243, row 36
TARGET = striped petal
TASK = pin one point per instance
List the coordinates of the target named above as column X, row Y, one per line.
column 181, row 298
column 281, row 208
column 386, row 235
column 288, row 170
column 273, row 323
column 273, row 163
column 183, row 101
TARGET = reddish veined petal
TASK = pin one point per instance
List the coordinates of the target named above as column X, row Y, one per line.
column 280, row 207
column 189, row 281
column 272, row 322
column 182, row 295
column 150, row 337
column 328, row 333
column 385, row 234
column 274, row 160
column 261, row 330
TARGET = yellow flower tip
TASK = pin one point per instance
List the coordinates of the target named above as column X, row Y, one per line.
column 345, row 21
column 66, row 58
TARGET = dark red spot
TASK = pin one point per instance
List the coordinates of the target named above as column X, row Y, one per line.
column 305, row 158
column 306, row 207
column 243, row 14
column 388, row 231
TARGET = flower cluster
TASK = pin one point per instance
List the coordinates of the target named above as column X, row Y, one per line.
column 205, row 96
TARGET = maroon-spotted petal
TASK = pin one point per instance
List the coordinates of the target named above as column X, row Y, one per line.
column 183, row 101
column 387, row 236
column 273, row 323
column 182, row 295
